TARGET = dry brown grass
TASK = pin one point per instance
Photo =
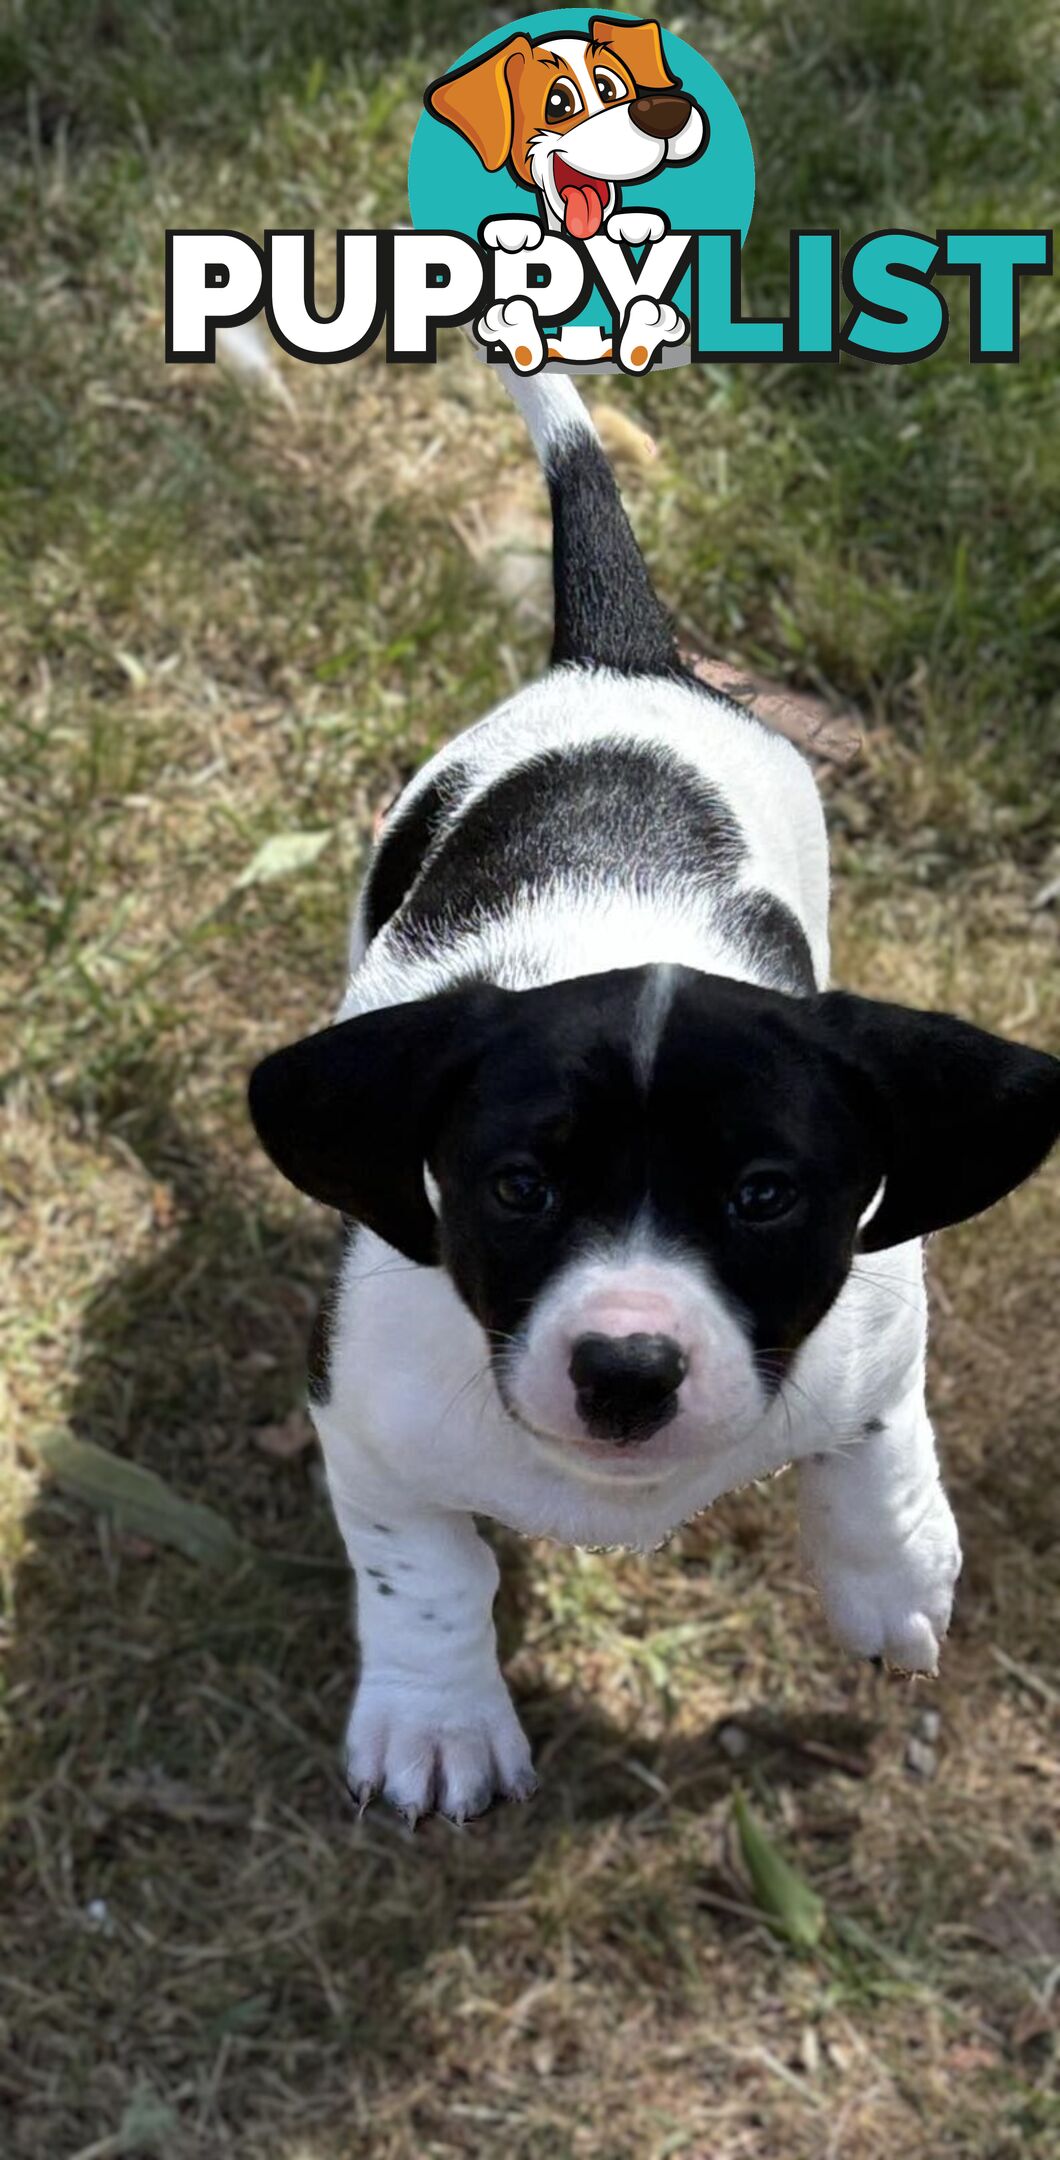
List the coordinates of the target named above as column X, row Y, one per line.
column 202, row 1929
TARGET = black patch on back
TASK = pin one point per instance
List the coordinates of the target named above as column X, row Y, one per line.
column 607, row 612
column 406, row 844
column 628, row 815
column 772, row 939
column 621, row 814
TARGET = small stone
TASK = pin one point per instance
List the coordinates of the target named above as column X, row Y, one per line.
column 733, row 1742
column 285, row 1442
column 921, row 1759
column 810, row 2051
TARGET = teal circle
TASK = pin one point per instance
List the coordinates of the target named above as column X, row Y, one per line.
column 451, row 191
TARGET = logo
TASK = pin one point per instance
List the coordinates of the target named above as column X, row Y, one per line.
column 581, row 186
column 581, row 150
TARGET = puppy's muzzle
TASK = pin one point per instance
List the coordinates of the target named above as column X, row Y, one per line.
column 626, row 1385
column 660, row 113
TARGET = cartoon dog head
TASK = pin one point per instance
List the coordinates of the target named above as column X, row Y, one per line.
column 574, row 117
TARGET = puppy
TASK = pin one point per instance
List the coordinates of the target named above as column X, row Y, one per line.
column 574, row 117
column 632, row 1203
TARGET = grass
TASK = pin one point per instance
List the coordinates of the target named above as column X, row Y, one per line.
column 221, row 624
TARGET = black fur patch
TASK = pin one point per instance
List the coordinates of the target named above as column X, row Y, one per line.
column 772, row 940
column 832, row 1092
column 318, row 1360
column 616, row 814
column 736, row 1081
column 607, row 612
column 406, row 844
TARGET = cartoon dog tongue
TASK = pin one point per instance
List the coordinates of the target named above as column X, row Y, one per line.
column 583, row 207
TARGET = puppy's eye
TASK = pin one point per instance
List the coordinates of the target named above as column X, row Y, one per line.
column 524, row 1191
column 562, row 101
column 763, row 1196
column 608, row 86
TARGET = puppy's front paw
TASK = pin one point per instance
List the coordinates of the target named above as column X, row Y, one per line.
column 512, row 234
column 898, row 1608
column 428, row 1754
column 637, row 227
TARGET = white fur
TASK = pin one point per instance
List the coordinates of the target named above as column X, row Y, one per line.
column 415, row 1435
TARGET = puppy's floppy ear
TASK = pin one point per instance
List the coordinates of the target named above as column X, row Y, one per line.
column 639, row 46
column 349, row 1114
column 479, row 101
column 957, row 1117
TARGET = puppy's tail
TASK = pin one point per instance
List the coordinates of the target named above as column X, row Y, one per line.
column 607, row 612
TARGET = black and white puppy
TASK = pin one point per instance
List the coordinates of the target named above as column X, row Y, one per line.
column 632, row 1202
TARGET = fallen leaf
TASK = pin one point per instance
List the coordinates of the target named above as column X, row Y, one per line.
column 147, row 2126
column 621, row 437
column 966, row 2055
column 807, row 721
column 1036, row 2021
column 139, row 1502
column 281, row 857
column 287, row 1440
column 786, row 1898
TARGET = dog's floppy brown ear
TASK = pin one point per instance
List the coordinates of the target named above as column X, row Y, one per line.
column 349, row 1114
column 955, row 1117
column 639, row 46
column 479, row 101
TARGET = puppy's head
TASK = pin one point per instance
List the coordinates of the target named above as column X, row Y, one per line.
column 574, row 116
column 649, row 1186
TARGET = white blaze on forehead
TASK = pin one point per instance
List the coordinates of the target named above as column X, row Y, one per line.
column 649, row 1021
column 433, row 1190
column 874, row 1205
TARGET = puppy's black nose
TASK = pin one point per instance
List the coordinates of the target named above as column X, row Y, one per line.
column 661, row 113
column 626, row 1384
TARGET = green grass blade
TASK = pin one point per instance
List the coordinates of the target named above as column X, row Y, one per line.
column 786, row 1898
